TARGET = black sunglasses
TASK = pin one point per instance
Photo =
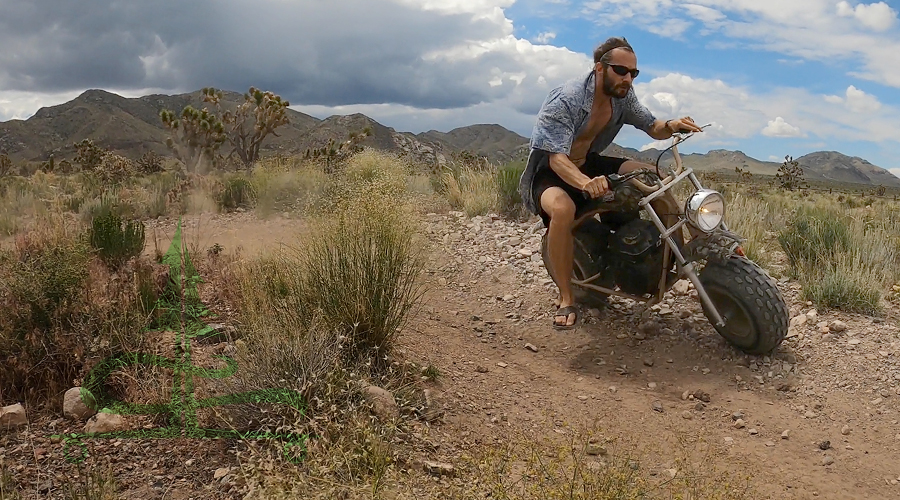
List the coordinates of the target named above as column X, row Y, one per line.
column 622, row 70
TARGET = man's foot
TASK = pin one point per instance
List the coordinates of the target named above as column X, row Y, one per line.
column 566, row 318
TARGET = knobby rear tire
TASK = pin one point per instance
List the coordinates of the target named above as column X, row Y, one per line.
column 582, row 260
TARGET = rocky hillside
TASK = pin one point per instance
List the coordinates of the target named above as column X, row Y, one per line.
column 131, row 126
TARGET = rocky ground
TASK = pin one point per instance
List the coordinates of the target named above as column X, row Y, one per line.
column 816, row 420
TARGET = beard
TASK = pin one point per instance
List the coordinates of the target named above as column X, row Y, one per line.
column 620, row 90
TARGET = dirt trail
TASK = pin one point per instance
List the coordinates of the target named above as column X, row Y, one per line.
column 609, row 372
column 488, row 298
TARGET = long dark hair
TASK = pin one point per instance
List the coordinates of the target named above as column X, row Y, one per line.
column 601, row 53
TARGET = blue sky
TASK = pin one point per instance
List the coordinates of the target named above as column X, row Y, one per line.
column 775, row 77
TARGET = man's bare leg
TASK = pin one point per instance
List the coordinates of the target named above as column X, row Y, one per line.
column 560, row 245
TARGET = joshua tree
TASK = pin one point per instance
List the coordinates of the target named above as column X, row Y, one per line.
column 790, row 175
column 258, row 116
column 196, row 134
column 333, row 152
column 5, row 165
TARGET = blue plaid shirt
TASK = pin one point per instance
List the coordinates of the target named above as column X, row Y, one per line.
column 562, row 117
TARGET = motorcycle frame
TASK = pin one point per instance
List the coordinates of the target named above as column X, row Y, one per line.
column 685, row 268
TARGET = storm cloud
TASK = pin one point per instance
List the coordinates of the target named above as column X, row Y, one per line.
column 313, row 52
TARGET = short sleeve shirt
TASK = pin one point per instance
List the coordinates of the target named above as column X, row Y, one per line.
column 564, row 114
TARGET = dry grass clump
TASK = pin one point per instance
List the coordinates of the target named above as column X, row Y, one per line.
column 322, row 319
column 473, row 191
column 843, row 260
column 287, row 184
column 586, row 465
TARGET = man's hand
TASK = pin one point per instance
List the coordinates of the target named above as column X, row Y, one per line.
column 596, row 187
column 680, row 124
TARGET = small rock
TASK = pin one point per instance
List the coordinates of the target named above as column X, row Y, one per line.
column 837, row 326
column 827, row 460
column 825, row 445
column 438, row 468
column 12, row 416
column 221, row 472
column 687, row 415
column 729, row 440
column 651, row 385
column 739, row 424
column 786, row 434
column 74, row 405
column 531, row 347
column 501, row 364
column 877, row 401
column 104, row 422
column 595, row 449
column 613, row 389
column 738, row 415
column 700, row 406
column 702, row 396
column 383, row 403
column 481, row 369
column 812, row 315
column 648, row 362
column 657, row 406
column 753, row 432
column 798, row 321
column 845, row 430
column 770, row 444
column 681, row 287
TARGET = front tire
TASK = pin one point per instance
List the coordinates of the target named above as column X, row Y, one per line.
column 754, row 310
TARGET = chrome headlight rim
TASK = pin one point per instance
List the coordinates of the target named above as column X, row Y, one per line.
column 698, row 200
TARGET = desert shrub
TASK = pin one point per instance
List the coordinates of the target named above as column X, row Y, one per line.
column 116, row 240
column 361, row 272
column 237, row 193
column 813, row 236
column 357, row 267
column 751, row 219
column 62, row 308
column 841, row 287
column 510, row 202
column 283, row 184
column 472, row 191
column 841, row 260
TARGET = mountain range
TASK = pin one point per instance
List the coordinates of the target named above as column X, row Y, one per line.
column 131, row 127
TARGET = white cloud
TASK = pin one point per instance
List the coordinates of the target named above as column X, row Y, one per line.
column 673, row 28
column 703, row 13
column 545, row 37
column 658, row 145
column 856, row 100
column 878, row 16
column 739, row 113
column 780, row 128
column 806, row 29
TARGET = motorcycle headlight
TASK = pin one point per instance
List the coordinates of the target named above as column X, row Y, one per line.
column 705, row 209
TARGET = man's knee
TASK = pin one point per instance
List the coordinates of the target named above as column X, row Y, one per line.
column 558, row 205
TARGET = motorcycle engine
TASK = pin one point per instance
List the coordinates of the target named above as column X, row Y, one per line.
column 637, row 257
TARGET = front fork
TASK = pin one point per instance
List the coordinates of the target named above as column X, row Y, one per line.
column 666, row 234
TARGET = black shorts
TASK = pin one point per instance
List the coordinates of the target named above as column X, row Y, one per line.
column 594, row 166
